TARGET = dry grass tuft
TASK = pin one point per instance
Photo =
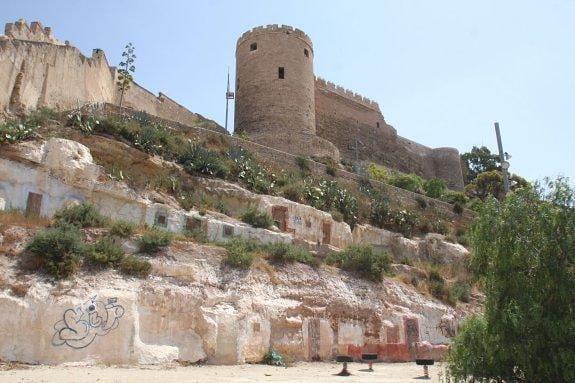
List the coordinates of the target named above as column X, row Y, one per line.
column 17, row 218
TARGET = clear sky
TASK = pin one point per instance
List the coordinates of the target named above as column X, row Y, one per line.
column 442, row 71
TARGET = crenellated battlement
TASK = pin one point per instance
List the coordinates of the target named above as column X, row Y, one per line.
column 330, row 86
column 20, row 30
column 275, row 28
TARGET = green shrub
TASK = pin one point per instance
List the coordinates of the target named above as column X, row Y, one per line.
column 381, row 214
column 106, row 253
column 240, row 252
column 13, row 132
column 42, row 115
column 153, row 139
column 197, row 159
column 83, row 215
column 331, row 169
column 434, row 188
column 85, row 123
column 288, row 253
column 132, row 265
column 256, row 218
column 273, row 358
column 119, row 128
column 409, row 182
column 401, row 221
column 154, row 239
column 122, row 229
column 59, row 250
column 363, row 261
column 437, row 285
column 453, row 197
column 255, row 176
column 293, row 192
column 328, row 196
column 377, row 172
column 303, row 164
column 461, row 291
column 198, row 235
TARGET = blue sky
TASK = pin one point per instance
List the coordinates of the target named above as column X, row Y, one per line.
column 442, row 71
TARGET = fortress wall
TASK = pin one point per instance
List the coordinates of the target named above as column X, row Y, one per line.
column 36, row 70
column 37, row 74
column 139, row 98
column 343, row 116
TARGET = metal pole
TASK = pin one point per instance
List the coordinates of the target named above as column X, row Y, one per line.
column 504, row 164
column 227, row 99
column 229, row 96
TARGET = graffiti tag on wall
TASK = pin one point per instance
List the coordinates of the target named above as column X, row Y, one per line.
column 81, row 325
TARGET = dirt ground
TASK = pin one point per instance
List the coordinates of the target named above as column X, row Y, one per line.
column 300, row 372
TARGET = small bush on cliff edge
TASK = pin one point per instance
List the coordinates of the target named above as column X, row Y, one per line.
column 256, row 218
column 58, row 250
column 363, row 261
column 154, row 239
column 83, row 215
column 132, row 265
column 241, row 252
column 288, row 253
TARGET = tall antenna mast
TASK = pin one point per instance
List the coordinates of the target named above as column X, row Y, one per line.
column 229, row 96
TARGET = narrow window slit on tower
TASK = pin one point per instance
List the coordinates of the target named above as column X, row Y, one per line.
column 306, row 52
column 253, row 46
column 281, row 72
column 377, row 123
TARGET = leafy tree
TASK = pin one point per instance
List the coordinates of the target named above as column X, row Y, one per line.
column 479, row 160
column 126, row 70
column 524, row 256
column 490, row 183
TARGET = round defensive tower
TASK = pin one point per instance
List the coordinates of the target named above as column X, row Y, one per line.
column 275, row 87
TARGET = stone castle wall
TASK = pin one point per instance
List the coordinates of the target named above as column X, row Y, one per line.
column 36, row 70
column 279, row 112
column 304, row 115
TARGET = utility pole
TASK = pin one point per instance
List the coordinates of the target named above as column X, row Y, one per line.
column 504, row 163
column 229, row 96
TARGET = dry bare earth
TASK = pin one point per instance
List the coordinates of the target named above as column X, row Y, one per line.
column 301, row 372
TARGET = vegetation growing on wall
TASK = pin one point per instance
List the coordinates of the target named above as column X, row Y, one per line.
column 365, row 261
column 61, row 249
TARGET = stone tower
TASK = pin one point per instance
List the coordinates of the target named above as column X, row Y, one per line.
column 275, row 91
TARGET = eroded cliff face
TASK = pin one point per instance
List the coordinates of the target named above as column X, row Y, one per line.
column 194, row 308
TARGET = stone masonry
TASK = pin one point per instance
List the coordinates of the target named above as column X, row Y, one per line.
column 280, row 103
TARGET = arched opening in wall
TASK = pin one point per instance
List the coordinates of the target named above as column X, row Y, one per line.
column 306, row 52
column 281, row 73
column 377, row 124
column 253, row 46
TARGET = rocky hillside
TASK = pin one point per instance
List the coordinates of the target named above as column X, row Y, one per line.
column 194, row 307
column 169, row 265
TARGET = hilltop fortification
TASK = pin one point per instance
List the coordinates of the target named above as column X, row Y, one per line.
column 280, row 103
column 37, row 70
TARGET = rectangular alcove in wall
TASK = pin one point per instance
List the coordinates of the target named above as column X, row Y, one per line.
column 33, row 205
